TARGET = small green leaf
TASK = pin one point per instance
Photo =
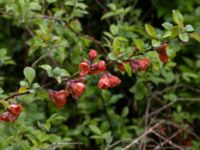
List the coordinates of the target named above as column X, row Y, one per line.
column 51, row 1
column 118, row 44
column 166, row 34
column 167, row 25
column 174, row 31
column 183, row 37
column 125, row 112
column 128, row 69
column 29, row 74
column 45, row 67
column 178, row 18
column 60, row 72
column 151, row 30
column 95, row 129
column 4, row 103
column 155, row 43
column 196, row 36
column 114, row 29
column 139, row 44
column 189, row 28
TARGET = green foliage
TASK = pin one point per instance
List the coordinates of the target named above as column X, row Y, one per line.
column 43, row 42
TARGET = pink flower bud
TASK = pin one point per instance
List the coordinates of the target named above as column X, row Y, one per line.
column 92, row 54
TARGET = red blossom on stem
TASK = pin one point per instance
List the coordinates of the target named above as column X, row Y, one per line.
column 92, row 54
column 11, row 114
column 140, row 64
column 108, row 81
column 162, row 52
column 84, row 68
column 76, row 88
column 59, row 98
column 101, row 65
column 15, row 109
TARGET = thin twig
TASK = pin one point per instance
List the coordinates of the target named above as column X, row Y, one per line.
column 149, row 130
column 16, row 94
column 167, row 140
column 171, row 103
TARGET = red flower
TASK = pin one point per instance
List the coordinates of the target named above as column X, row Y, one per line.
column 108, row 81
column 140, row 64
column 84, row 68
column 162, row 52
column 163, row 57
column 8, row 117
column 59, row 98
column 120, row 67
column 76, row 89
column 12, row 113
column 15, row 109
column 101, row 65
column 92, row 54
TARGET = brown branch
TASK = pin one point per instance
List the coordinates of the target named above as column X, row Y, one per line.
column 167, row 140
column 16, row 94
column 171, row 103
column 149, row 130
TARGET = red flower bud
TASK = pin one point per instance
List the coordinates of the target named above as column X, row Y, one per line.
column 108, row 81
column 101, row 65
column 140, row 64
column 162, row 52
column 8, row 117
column 84, row 68
column 59, row 98
column 120, row 67
column 15, row 109
column 76, row 89
column 92, row 54
column 163, row 57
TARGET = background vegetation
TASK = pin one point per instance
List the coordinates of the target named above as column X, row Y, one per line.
column 153, row 109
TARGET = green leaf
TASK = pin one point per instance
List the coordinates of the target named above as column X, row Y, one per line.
column 114, row 29
column 167, row 25
column 29, row 74
column 166, row 34
column 183, row 37
column 128, row 69
column 118, row 44
column 51, row 1
column 174, row 31
column 189, row 28
column 60, row 72
column 178, row 18
column 139, row 44
column 95, row 129
column 125, row 112
column 151, row 30
column 155, row 43
column 107, row 15
column 195, row 36
column 45, row 67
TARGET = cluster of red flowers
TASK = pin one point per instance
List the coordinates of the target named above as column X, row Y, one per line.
column 76, row 87
column 136, row 65
column 88, row 67
column 11, row 114
column 143, row 63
